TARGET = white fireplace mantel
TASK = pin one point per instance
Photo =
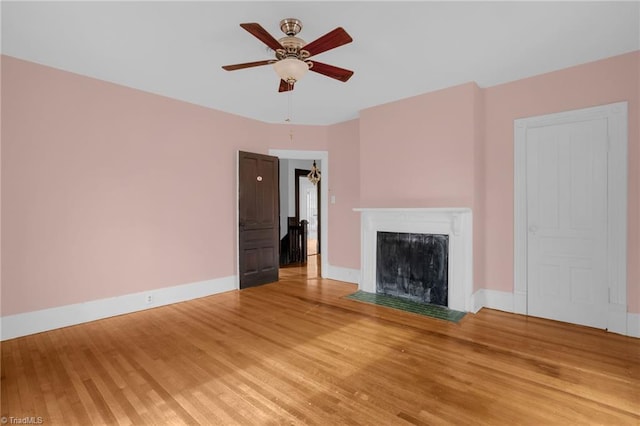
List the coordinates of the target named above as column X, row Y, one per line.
column 456, row 222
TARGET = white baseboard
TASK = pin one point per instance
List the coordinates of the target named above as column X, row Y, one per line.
column 63, row 316
column 339, row 273
column 520, row 303
column 633, row 325
column 620, row 322
column 493, row 299
column 617, row 318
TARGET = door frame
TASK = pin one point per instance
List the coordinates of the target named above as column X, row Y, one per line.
column 323, row 156
column 616, row 116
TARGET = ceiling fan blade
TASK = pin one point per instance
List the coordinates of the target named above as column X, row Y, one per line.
column 246, row 65
column 285, row 87
column 330, row 40
column 261, row 34
column 331, row 71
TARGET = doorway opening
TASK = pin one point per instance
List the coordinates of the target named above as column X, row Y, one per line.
column 307, row 196
column 304, row 202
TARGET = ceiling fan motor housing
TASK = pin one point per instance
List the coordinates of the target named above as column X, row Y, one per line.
column 292, row 48
column 291, row 26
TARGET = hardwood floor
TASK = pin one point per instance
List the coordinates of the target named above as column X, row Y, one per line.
column 296, row 352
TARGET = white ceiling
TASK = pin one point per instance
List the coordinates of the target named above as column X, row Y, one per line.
column 400, row 49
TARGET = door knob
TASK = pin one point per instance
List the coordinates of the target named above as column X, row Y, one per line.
column 533, row 229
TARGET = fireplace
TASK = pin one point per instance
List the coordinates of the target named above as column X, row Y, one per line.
column 411, row 228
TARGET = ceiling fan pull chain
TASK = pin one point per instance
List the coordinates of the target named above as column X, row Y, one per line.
column 289, row 102
column 290, row 109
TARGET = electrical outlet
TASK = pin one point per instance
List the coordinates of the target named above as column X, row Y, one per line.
column 149, row 299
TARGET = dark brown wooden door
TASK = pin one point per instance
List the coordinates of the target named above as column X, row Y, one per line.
column 259, row 208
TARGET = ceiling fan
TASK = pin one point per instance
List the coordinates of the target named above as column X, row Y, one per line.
column 292, row 53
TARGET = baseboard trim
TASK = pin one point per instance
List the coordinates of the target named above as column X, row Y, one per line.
column 633, row 325
column 27, row 323
column 520, row 303
column 620, row 322
column 493, row 299
column 617, row 318
column 339, row 273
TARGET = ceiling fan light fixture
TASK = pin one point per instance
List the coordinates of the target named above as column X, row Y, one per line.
column 314, row 174
column 291, row 70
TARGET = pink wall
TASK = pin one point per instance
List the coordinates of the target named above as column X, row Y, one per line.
column 425, row 151
column 305, row 138
column 602, row 82
column 419, row 152
column 344, row 223
column 479, row 231
column 108, row 190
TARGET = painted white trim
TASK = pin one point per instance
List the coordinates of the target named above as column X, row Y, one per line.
column 346, row 275
column 616, row 116
column 323, row 156
column 633, row 325
column 63, row 316
column 520, row 214
column 621, row 322
column 520, row 303
column 479, row 300
column 237, row 224
column 617, row 318
column 493, row 299
column 617, row 210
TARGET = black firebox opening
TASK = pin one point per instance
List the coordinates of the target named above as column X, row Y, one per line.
column 413, row 266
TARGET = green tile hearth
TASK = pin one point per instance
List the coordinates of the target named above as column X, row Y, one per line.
column 434, row 311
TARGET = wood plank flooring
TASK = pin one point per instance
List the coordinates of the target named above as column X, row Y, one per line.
column 296, row 352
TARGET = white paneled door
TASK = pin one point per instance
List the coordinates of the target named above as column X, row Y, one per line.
column 567, row 222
